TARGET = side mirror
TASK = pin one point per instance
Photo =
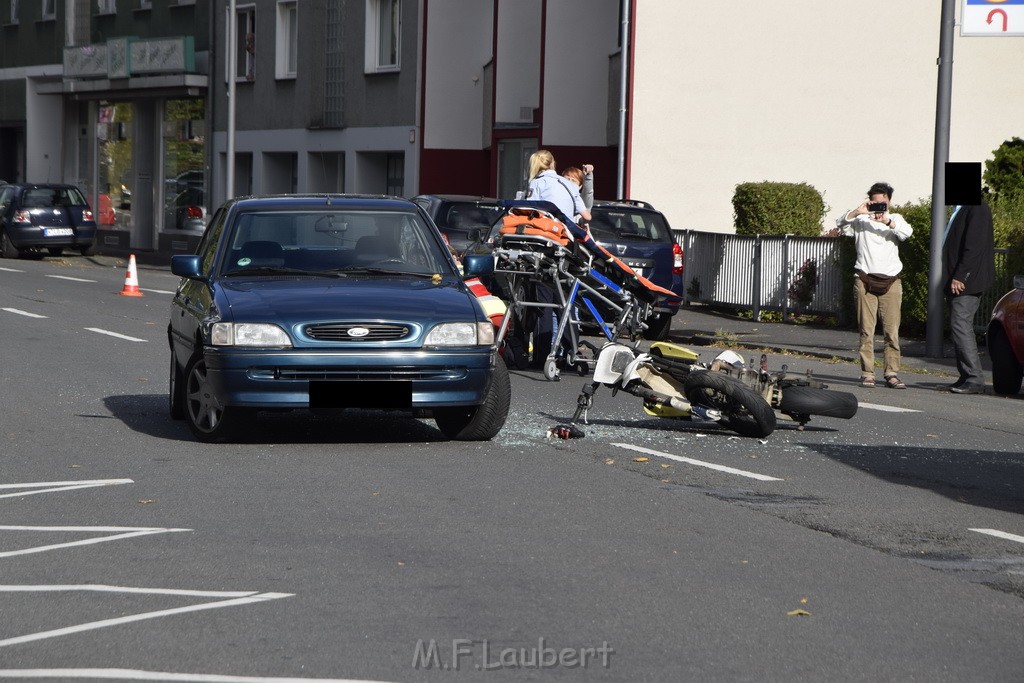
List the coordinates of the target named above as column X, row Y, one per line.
column 477, row 265
column 187, row 265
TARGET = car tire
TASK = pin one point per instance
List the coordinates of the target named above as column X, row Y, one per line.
column 207, row 419
column 1007, row 372
column 88, row 250
column 55, row 251
column 7, row 248
column 658, row 327
column 482, row 422
column 176, row 390
column 743, row 410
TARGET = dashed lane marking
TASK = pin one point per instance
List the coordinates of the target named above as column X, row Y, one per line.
column 68, row 277
column 98, row 330
column 235, row 599
column 156, row 291
column 699, row 463
column 12, row 270
column 887, row 409
column 139, row 675
column 1000, row 534
column 18, row 311
column 52, row 486
column 119, row 533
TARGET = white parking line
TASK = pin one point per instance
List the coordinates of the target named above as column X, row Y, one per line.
column 139, row 675
column 52, row 486
column 126, row 532
column 887, row 409
column 115, row 334
column 246, row 599
column 699, row 463
column 12, row 270
column 155, row 291
column 24, row 313
column 1000, row 534
column 68, row 277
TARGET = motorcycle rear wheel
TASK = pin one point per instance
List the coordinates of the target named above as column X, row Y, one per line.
column 744, row 410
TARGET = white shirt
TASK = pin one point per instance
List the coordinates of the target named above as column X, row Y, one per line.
column 550, row 187
column 876, row 242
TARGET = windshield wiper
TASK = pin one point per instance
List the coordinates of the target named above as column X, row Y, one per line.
column 281, row 270
column 383, row 271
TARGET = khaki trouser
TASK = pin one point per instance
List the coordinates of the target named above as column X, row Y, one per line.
column 870, row 309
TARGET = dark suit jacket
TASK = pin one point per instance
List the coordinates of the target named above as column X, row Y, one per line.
column 968, row 254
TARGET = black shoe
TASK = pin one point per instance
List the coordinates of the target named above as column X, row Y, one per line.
column 968, row 388
column 955, row 385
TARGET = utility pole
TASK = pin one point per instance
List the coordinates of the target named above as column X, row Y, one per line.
column 232, row 48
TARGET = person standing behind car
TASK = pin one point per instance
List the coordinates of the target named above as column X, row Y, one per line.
column 547, row 185
column 878, row 291
column 584, row 179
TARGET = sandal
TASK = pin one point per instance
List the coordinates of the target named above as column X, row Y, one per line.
column 894, row 382
column 868, row 382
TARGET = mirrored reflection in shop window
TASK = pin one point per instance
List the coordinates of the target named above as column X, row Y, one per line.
column 184, row 165
column 114, row 131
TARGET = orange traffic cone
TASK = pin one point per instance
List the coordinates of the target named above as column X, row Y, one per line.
column 131, row 280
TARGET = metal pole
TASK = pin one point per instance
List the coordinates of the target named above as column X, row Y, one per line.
column 232, row 49
column 934, row 327
column 620, row 186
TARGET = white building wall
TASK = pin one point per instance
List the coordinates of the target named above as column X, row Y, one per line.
column 581, row 35
column 518, row 60
column 459, row 37
column 835, row 94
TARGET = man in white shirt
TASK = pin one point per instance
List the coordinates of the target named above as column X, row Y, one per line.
column 877, row 288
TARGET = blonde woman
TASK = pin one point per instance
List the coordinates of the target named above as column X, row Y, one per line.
column 546, row 185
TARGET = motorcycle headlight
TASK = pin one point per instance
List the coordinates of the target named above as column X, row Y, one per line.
column 248, row 334
column 461, row 334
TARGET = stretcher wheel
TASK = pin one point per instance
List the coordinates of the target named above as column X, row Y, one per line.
column 550, row 369
column 582, row 368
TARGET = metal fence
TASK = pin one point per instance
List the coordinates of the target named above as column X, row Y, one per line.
column 757, row 272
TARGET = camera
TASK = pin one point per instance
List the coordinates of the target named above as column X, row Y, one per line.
column 877, row 207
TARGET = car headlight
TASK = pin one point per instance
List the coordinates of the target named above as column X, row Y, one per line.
column 248, row 334
column 461, row 334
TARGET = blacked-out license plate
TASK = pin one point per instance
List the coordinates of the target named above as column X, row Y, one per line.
column 360, row 394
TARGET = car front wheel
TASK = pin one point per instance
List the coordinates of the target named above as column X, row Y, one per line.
column 209, row 420
column 482, row 422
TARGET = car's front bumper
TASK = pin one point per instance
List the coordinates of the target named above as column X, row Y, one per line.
column 301, row 378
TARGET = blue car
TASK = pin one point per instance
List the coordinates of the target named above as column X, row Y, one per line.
column 54, row 217
column 326, row 302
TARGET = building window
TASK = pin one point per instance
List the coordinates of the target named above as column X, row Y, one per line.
column 287, row 38
column 145, row 4
column 245, row 45
column 395, row 175
column 383, row 35
column 106, row 6
column 14, row 11
column 49, row 9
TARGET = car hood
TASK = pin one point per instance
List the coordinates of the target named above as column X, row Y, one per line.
column 290, row 302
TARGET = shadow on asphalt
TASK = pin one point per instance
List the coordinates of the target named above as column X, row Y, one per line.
column 990, row 479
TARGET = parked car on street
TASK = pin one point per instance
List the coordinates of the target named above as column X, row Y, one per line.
column 325, row 302
column 461, row 217
column 1006, row 340
column 50, row 217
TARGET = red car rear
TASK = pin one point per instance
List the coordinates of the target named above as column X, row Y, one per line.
column 1006, row 340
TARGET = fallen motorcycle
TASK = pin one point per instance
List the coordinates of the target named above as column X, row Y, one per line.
column 675, row 384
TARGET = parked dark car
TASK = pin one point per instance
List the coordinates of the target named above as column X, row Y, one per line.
column 461, row 217
column 50, row 217
column 1006, row 340
column 328, row 302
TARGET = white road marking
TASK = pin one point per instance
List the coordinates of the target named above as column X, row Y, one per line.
column 115, row 334
column 52, row 486
column 699, row 463
column 68, row 277
column 139, row 675
column 12, row 270
column 126, row 532
column 887, row 409
column 155, row 291
column 24, row 313
column 1000, row 534
column 246, row 599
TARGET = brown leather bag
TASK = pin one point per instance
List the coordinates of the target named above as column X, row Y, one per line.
column 877, row 284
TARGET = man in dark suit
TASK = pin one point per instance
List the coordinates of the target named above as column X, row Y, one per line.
column 968, row 270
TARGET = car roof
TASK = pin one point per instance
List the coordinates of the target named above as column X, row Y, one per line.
column 44, row 186
column 351, row 201
column 458, row 197
column 622, row 204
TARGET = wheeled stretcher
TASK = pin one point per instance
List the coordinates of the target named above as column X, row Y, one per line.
column 547, row 265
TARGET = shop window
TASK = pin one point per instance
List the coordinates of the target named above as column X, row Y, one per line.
column 287, row 38
column 184, row 155
column 383, row 35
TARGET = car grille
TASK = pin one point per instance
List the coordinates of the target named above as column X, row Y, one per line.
column 376, row 332
column 366, row 373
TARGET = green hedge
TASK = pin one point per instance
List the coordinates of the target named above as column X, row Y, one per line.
column 770, row 208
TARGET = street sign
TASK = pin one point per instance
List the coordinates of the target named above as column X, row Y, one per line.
column 992, row 18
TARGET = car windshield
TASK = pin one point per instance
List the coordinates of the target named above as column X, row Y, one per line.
column 617, row 224
column 312, row 242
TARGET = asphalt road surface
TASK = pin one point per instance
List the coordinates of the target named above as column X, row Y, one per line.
column 363, row 546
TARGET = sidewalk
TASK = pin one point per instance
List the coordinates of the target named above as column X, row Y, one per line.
column 700, row 325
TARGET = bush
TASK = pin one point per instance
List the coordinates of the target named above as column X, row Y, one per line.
column 769, row 208
column 1004, row 172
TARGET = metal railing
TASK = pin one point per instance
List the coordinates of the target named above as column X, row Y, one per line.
column 757, row 272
